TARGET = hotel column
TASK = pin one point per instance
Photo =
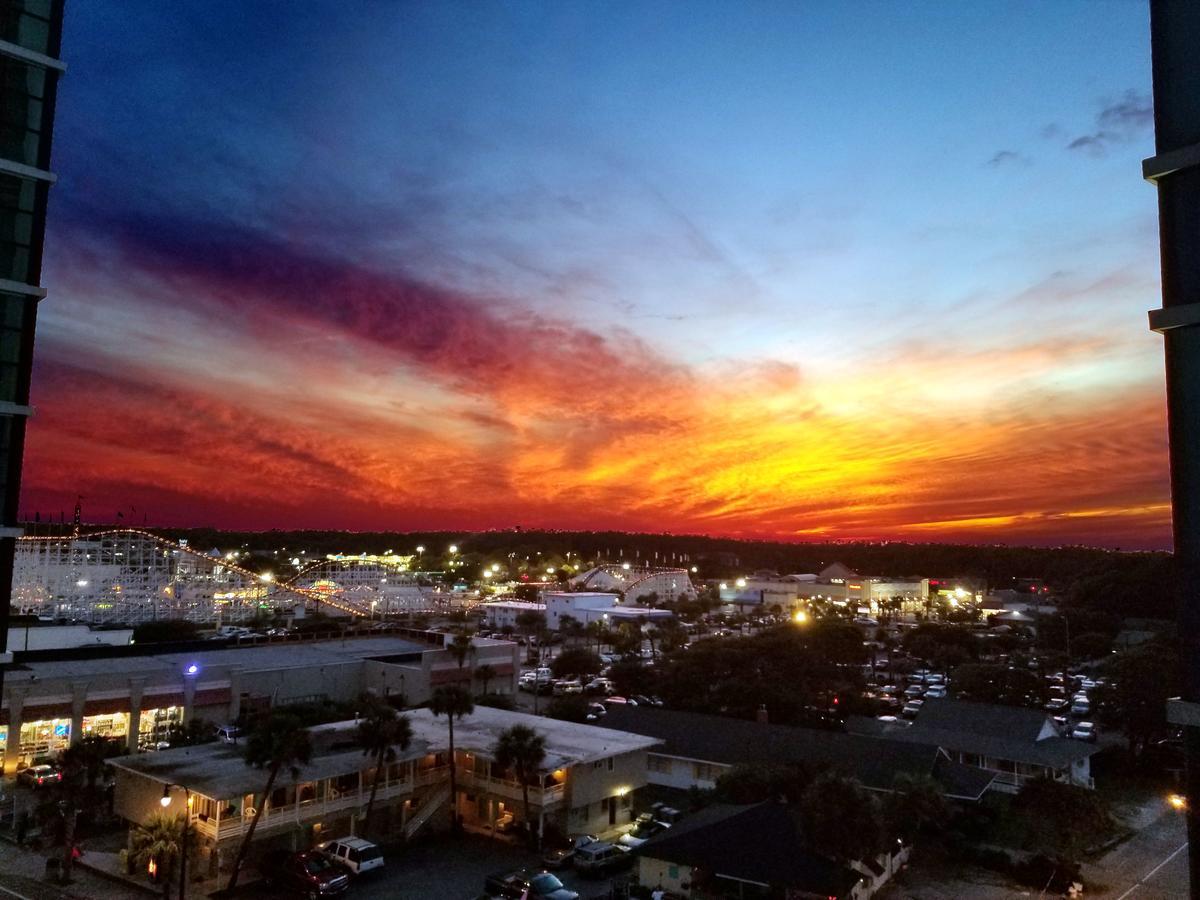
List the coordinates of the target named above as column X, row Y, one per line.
column 79, row 691
column 16, row 715
column 136, row 686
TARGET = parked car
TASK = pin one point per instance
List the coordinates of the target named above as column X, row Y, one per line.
column 620, row 700
column 911, row 708
column 528, row 885
column 1080, row 708
column 1084, row 731
column 1057, row 704
column 353, row 853
column 39, row 776
column 564, row 854
column 596, row 711
column 644, row 829
column 600, row 857
column 935, row 692
column 599, row 686
column 307, row 874
column 914, row 691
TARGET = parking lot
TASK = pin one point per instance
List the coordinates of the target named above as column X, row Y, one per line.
column 446, row 868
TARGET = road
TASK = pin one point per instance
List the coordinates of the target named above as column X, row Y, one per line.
column 1152, row 865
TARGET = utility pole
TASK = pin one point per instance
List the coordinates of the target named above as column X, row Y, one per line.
column 1175, row 171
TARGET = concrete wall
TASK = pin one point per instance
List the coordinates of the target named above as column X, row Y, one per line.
column 653, row 873
column 592, row 786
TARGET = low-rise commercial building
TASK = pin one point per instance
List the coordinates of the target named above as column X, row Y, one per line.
column 835, row 584
column 137, row 694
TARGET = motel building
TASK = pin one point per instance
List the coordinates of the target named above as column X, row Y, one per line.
column 585, row 784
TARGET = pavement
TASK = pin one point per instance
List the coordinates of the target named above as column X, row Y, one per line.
column 22, row 876
column 1152, row 865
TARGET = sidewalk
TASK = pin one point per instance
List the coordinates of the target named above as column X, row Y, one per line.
column 22, row 875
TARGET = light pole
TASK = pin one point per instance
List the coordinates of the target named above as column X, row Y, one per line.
column 187, row 823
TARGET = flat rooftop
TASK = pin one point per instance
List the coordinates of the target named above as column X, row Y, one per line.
column 299, row 654
column 218, row 770
column 567, row 743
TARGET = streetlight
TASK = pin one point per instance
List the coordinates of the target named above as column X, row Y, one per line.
column 187, row 821
column 454, row 548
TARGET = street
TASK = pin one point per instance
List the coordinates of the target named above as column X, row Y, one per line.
column 1152, row 865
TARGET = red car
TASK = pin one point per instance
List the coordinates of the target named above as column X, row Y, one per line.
column 38, row 776
column 307, row 874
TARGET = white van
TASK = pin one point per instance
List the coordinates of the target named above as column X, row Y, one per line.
column 599, row 857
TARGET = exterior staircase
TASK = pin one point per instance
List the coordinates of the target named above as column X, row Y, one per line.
column 432, row 803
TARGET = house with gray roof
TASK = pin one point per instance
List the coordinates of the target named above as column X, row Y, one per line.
column 697, row 748
column 1014, row 744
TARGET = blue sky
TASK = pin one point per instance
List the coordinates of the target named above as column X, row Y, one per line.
column 796, row 216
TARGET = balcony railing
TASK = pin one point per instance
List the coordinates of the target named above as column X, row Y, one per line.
column 511, row 789
column 332, row 801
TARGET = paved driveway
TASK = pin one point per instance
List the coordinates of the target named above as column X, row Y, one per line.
column 445, row 868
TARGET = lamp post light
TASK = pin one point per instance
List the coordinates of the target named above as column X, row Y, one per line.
column 187, row 824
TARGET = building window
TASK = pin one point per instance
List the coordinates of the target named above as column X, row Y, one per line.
column 612, row 763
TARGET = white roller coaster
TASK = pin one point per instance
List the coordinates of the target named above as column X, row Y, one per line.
column 636, row 582
column 130, row 576
column 370, row 585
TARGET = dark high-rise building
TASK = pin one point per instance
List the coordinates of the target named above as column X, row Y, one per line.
column 30, row 39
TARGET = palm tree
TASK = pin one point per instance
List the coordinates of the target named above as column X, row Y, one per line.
column 279, row 741
column 460, row 648
column 485, row 673
column 157, row 842
column 380, row 732
column 521, row 750
column 452, row 702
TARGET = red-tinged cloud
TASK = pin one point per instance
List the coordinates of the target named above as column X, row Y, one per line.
column 268, row 386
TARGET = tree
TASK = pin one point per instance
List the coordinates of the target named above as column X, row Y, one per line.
column 460, row 648
column 568, row 708
column 279, row 741
column 915, row 805
column 521, row 750
column 157, row 843
column 743, row 784
column 841, row 819
column 485, row 674
column 453, row 702
column 1135, row 697
column 1062, row 818
column 574, row 662
column 381, row 732
column 989, row 683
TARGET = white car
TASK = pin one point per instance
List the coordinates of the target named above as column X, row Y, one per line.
column 937, row 692
column 1084, row 731
column 353, row 853
column 644, row 829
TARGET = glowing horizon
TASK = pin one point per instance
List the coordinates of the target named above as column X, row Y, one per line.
column 476, row 266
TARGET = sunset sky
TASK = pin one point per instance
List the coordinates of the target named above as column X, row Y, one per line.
column 799, row 270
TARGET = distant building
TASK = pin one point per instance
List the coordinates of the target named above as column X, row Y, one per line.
column 836, row 584
column 499, row 614
column 586, row 607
